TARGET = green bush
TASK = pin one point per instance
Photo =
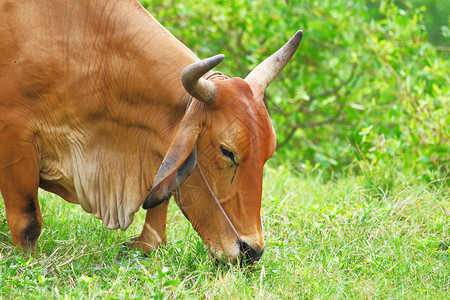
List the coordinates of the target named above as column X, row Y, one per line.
column 365, row 86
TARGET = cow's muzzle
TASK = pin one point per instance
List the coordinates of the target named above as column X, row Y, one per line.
column 249, row 255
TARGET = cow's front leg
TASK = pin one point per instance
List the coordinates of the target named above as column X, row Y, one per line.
column 24, row 218
column 154, row 232
column 19, row 180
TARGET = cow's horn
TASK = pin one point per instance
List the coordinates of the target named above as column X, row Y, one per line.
column 267, row 70
column 197, row 86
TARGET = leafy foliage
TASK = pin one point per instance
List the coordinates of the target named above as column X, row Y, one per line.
column 436, row 19
column 365, row 89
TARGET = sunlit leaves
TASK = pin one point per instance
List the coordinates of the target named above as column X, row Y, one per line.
column 360, row 64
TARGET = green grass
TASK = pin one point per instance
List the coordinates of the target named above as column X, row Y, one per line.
column 347, row 238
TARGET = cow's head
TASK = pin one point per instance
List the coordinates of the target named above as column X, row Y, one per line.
column 227, row 134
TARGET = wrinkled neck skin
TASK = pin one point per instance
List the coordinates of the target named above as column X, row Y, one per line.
column 104, row 99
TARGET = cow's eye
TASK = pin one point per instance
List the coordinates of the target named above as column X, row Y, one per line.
column 227, row 153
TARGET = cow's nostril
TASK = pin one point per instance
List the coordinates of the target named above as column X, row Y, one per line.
column 248, row 254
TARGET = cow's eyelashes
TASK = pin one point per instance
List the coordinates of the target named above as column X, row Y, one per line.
column 227, row 153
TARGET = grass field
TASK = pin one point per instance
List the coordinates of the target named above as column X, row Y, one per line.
column 349, row 238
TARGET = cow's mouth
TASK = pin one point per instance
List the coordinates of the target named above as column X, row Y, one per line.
column 245, row 257
column 249, row 255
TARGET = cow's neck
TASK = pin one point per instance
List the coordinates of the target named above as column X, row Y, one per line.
column 144, row 59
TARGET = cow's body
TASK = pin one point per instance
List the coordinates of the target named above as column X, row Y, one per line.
column 90, row 100
column 97, row 113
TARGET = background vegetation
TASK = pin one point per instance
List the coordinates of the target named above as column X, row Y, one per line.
column 366, row 89
column 356, row 201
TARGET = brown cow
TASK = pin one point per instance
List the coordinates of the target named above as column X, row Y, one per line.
column 95, row 107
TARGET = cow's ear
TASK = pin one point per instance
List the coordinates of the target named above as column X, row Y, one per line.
column 178, row 164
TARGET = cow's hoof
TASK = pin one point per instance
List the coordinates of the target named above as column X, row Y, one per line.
column 131, row 249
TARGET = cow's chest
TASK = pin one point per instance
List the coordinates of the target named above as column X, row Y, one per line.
column 107, row 169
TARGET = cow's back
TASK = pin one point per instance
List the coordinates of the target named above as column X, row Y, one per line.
column 52, row 46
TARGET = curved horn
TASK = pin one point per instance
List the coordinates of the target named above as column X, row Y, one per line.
column 267, row 70
column 197, row 86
